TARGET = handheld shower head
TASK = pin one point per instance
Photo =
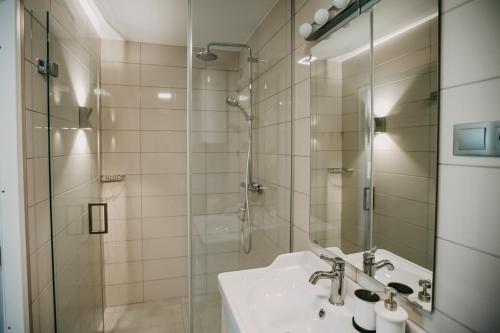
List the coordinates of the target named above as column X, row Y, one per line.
column 231, row 101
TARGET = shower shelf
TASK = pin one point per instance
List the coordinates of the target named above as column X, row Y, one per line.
column 340, row 171
column 112, row 178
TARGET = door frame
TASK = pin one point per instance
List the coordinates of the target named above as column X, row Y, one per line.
column 15, row 291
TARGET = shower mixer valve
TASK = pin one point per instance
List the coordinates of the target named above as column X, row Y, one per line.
column 255, row 188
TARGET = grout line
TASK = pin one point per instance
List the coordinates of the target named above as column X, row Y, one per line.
column 453, row 319
column 470, row 166
column 456, row 7
column 470, row 83
column 467, row 246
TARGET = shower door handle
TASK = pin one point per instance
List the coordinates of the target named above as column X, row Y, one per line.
column 91, row 218
column 367, row 198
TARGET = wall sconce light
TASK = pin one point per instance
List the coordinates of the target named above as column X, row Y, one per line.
column 380, row 124
column 84, row 117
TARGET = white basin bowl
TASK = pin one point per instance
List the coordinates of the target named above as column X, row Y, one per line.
column 279, row 299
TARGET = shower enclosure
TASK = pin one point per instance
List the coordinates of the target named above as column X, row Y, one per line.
column 240, row 151
column 107, row 123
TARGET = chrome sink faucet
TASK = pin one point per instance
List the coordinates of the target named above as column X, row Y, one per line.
column 371, row 267
column 336, row 275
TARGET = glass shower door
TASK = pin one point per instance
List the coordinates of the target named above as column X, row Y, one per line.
column 73, row 81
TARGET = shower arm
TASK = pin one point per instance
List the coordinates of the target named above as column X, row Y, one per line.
column 222, row 44
column 239, row 45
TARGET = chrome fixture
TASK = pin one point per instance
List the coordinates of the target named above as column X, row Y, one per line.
column 250, row 186
column 336, row 275
column 112, row 178
column 231, row 101
column 84, row 117
column 44, row 67
column 208, row 55
column 370, row 267
column 340, row 171
column 424, row 295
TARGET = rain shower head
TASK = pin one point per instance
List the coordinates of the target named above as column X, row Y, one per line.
column 206, row 55
column 231, row 101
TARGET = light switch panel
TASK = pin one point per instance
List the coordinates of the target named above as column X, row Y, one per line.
column 477, row 139
column 471, row 138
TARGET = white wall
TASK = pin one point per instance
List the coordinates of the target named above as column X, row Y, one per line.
column 468, row 226
column 12, row 226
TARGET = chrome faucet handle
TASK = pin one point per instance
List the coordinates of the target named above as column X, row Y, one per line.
column 424, row 295
column 370, row 254
column 337, row 263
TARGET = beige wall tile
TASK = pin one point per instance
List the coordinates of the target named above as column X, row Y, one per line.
column 161, row 206
column 120, row 141
column 120, row 119
column 153, row 97
column 478, row 60
column 121, row 273
column 162, row 248
column 157, row 54
column 120, row 51
column 125, row 251
column 120, row 73
column 167, row 288
column 302, row 137
column 120, row 96
column 164, row 268
column 124, row 230
column 163, row 142
column 162, row 163
column 165, row 227
column 163, row 76
column 121, row 294
column 163, row 119
column 126, row 163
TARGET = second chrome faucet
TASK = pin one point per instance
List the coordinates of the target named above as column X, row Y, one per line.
column 371, row 267
column 336, row 275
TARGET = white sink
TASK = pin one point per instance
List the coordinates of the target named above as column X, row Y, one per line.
column 279, row 298
column 405, row 272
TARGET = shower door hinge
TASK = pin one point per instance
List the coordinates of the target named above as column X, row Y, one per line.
column 44, row 67
column 367, row 198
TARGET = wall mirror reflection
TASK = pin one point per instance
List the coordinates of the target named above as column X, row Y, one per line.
column 374, row 120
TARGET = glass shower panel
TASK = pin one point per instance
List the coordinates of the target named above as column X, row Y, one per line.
column 240, row 202
column 215, row 184
column 341, row 138
column 74, row 170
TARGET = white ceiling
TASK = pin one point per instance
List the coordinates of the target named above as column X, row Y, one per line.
column 164, row 21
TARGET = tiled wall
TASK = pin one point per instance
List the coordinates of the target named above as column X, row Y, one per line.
column 74, row 168
column 215, row 183
column 271, row 135
column 144, row 138
column 327, row 142
column 37, row 163
column 404, row 156
column 467, row 253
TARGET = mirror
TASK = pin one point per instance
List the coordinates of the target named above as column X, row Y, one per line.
column 374, row 120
